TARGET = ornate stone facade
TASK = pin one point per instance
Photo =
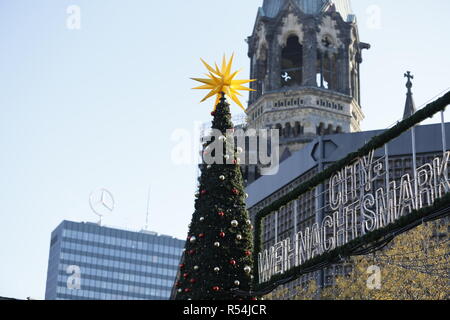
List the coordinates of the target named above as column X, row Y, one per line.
column 306, row 60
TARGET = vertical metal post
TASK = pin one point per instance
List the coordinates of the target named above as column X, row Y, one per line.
column 276, row 227
column 295, row 217
column 148, row 210
column 416, row 189
column 444, row 143
column 320, row 202
column 362, row 187
column 387, row 168
column 444, row 138
column 295, row 212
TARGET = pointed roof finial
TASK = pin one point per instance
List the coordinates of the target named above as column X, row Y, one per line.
column 409, row 76
column 410, row 107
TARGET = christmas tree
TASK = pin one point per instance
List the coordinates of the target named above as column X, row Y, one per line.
column 218, row 252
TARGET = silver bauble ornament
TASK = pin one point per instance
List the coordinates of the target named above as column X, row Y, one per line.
column 247, row 269
column 239, row 237
column 237, row 283
column 216, row 269
column 222, row 178
column 202, row 219
column 216, row 244
column 234, row 223
column 193, row 239
column 196, row 268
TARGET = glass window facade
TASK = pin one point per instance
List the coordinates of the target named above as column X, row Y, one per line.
column 91, row 262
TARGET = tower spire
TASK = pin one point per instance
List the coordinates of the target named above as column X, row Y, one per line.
column 410, row 107
column 148, row 210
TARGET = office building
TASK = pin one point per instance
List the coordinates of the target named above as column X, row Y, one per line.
column 88, row 261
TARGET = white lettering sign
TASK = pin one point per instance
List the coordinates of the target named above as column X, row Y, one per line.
column 356, row 208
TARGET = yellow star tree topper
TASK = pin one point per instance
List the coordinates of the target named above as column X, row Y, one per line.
column 222, row 80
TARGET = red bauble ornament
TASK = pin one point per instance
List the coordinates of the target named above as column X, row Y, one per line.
column 191, row 251
column 235, row 161
column 201, row 235
column 187, row 290
column 203, row 192
column 221, row 214
column 216, row 288
column 222, row 234
column 178, row 284
column 182, row 266
column 193, row 280
column 233, row 262
column 185, row 275
column 213, row 113
column 248, row 253
column 235, row 191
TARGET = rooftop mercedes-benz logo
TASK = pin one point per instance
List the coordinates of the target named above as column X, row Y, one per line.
column 101, row 202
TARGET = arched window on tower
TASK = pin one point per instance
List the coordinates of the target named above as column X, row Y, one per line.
column 327, row 65
column 298, row 129
column 292, row 63
column 287, row 130
column 320, row 129
column 329, row 71
column 326, row 70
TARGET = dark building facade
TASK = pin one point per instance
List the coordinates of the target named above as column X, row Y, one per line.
column 311, row 160
column 91, row 262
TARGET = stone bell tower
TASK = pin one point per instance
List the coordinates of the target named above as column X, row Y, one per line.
column 305, row 55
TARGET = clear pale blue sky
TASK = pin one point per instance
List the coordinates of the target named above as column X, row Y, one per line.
column 96, row 107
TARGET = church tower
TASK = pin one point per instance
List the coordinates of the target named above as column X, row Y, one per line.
column 305, row 55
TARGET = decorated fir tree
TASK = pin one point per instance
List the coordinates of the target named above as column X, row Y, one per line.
column 218, row 252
